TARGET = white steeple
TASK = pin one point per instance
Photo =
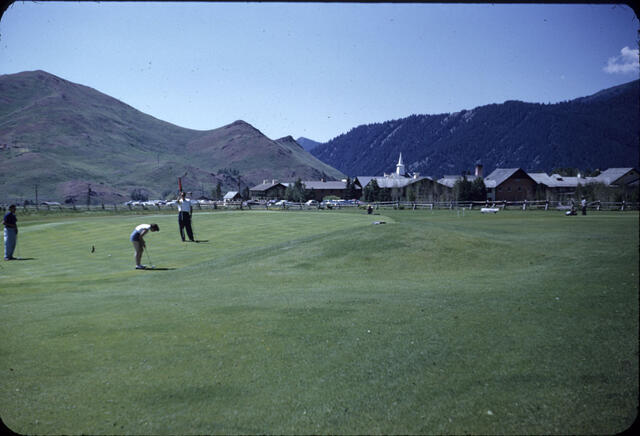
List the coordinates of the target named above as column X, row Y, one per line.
column 400, row 167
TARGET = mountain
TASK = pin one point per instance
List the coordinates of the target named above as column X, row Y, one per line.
column 63, row 137
column 597, row 131
column 307, row 144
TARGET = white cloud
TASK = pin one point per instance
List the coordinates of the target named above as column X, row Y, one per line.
column 626, row 62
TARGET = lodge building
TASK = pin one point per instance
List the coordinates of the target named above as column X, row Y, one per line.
column 503, row 184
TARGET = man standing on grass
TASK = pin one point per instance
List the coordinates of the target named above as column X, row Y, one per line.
column 10, row 222
column 137, row 239
column 184, row 216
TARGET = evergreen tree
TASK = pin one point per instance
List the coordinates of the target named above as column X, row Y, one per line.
column 348, row 189
column 245, row 194
column 375, row 188
column 296, row 192
column 288, row 193
column 411, row 193
column 351, row 191
column 462, row 189
column 367, row 193
column 139, row 194
column 478, row 190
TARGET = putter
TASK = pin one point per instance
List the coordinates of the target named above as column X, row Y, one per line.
column 146, row 250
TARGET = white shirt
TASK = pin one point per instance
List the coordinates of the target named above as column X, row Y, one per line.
column 142, row 227
column 184, row 206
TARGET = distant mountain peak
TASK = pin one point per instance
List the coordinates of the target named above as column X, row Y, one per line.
column 240, row 123
column 307, row 144
column 287, row 138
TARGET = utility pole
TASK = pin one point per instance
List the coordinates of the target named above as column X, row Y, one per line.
column 36, row 187
column 88, row 195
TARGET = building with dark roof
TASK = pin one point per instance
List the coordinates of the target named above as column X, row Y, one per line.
column 510, row 184
column 268, row 190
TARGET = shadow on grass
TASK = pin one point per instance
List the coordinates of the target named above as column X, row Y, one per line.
column 156, row 269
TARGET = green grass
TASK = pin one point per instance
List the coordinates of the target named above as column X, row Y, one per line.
column 320, row 322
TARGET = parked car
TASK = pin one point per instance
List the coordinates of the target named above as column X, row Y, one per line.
column 311, row 203
column 282, row 203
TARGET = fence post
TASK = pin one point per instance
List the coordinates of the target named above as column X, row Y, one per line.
column 524, row 205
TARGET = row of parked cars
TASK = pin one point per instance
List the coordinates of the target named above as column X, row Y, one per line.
column 315, row 203
column 278, row 203
column 163, row 202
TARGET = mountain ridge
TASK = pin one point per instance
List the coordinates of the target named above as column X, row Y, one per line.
column 63, row 136
column 534, row 136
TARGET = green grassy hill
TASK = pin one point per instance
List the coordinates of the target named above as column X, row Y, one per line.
column 63, row 136
column 319, row 322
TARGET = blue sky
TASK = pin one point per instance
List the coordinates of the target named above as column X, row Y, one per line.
column 319, row 69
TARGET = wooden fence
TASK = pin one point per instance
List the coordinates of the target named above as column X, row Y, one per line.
column 400, row 205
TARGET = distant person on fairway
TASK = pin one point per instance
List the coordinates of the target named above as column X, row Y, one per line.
column 137, row 239
column 583, row 203
column 184, row 216
column 10, row 232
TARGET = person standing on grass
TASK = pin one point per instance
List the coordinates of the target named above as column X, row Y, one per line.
column 137, row 239
column 10, row 222
column 583, row 203
column 184, row 216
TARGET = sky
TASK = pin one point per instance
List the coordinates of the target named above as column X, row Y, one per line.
column 318, row 70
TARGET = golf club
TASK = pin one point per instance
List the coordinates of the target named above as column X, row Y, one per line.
column 146, row 250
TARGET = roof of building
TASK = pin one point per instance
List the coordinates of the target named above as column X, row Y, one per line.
column 450, row 180
column 498, row 176
column 330, row 185
column 542, row 178
column 613, row 175
column 608, row 177
column 558, row 181
column 230, row 195
column 265, row 186
column 390, row 181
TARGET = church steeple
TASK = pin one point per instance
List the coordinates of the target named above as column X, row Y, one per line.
column 400, row 167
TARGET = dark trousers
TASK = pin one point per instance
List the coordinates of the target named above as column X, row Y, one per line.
column 184, row 221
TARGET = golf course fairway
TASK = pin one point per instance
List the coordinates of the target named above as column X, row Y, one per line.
column 318, row 322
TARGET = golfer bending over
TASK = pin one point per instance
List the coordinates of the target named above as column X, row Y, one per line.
column 137, row 239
